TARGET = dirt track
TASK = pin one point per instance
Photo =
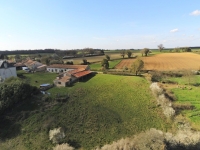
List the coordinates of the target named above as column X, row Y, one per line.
column 167, row 61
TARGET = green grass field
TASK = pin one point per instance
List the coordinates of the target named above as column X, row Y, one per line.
column 188, row 94
column 40, row 77
column 97, row 66
column 103, row 109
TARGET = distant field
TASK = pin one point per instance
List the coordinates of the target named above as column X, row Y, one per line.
column 125, row 63
column 94, row 58
column 112, row 64
column 167, row 62
column 172, row 61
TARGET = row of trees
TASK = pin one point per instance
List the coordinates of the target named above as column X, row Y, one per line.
column 182, row 49
column 129, row 53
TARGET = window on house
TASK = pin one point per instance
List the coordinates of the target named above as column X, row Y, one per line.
column 59, row 82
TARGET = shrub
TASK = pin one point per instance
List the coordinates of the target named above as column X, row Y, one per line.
column 156, row 89
column 14, row 90
column 57, row 135
column 152, row 139
column 162, row 100
column 64, row 146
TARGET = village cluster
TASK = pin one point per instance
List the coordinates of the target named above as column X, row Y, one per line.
column 67, row 74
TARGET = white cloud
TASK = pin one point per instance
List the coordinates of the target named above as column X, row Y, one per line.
column 174, row 30
column 195, row 13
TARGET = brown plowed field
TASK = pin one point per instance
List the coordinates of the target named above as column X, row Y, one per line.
column 167, row 61
column 125, row 63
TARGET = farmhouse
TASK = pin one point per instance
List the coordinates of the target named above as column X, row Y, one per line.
column 71, row 75
column 19, row 66
column 57, row 68
column 7, row 70
column 34, row 65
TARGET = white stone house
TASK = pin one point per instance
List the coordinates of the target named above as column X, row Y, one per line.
column 70, row 74
column 7, row 70
column 58, row 68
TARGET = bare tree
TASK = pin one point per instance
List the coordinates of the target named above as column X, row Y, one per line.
column 123, row 53
column 160, row 47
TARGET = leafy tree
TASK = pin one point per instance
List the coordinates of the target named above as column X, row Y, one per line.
column 160, row 47
column 176, row 49
column 84, row 62
column 55, row 56
column 74, row 53
column 56, row 62
column 145, row 51
column 39, row 55
column 123, row 53
column 5, row 57
column 129, row 54
column 137, row 66
column 91, row 51
column 186, row 49
column 17, row 56
column 47, row 61
column 108, row 57
column 105, row 63
column 102, row 52
column 69, row 62
column 14, row 90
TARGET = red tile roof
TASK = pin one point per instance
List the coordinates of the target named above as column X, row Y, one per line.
column 81, row 74
column 68, row 66
column 75, row 71
column 42, row 66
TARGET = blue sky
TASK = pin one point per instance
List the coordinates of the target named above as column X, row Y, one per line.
column 105, row 24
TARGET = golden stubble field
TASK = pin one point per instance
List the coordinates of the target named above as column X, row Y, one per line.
column 167, row 62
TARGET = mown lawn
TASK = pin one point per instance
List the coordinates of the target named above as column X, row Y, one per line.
column 38, row 78
column 103, row 109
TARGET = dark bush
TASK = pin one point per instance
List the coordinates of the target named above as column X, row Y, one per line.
column 14, row 90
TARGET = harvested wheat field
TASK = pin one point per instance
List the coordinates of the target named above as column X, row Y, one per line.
column 166, row 62
column 125, row 63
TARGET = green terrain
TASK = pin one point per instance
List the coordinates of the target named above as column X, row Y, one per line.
column 98, row 111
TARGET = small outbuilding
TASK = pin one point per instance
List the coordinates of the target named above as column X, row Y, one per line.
column 46, row 86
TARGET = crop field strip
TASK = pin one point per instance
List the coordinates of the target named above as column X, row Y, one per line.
column 166, row 62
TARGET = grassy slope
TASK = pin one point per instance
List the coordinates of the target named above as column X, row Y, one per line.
column 101, row 110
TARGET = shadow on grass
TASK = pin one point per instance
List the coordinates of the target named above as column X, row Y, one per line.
column 8, row 128
column 10, row 120
column 88, row 77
